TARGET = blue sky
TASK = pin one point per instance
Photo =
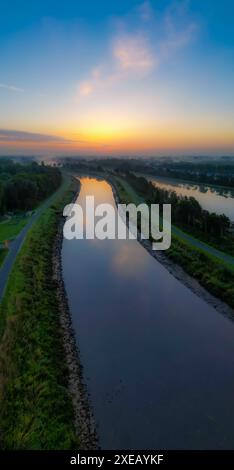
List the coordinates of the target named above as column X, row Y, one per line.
column 117, row 77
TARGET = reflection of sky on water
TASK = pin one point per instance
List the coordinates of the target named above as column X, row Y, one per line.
column 158, row 360
column 220, row 201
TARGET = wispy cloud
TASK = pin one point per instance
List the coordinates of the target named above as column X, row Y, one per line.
column 133, row 53
column 87, row 86
column 17, row 89
column 179, row 29
column 146, row 11
column 7, row 135
column 176, row 40
column 137, row 51
column 11, row 88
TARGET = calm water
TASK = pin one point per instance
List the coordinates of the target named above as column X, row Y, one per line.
column 158, row 361
column 220, row 201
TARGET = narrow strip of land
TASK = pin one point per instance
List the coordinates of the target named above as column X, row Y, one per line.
column 17, row 243
column 180, row 234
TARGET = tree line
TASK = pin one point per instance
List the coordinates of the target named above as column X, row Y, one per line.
column 23, row 186
column 214, row 174
column 186, row 211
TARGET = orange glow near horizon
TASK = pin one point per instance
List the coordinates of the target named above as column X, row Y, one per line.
column 148, row 82
column 130, row 137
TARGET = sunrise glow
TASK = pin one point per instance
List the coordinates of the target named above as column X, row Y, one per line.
column 147, row 78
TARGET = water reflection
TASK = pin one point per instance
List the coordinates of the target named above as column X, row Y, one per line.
column 158, row 360
column 215, row 200
column 129, row 261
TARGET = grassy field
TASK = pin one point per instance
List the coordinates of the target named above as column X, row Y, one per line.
column 211, row 268
column 10, row 228
column 35, row 407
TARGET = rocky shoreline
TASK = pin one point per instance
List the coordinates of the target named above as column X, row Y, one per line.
column 178, row 272
column 83, row 417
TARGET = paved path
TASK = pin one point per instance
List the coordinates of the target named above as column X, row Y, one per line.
column 18, row 241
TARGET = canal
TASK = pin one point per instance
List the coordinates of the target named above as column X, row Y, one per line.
column 158, row 361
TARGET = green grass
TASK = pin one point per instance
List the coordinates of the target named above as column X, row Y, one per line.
column 10, row 228
column 213, row 253
column 212, row 274
column 127, row 193
column 3, row 253
column 35, row 406
column 197, row 258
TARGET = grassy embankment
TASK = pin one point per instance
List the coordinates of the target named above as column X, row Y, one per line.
column 35, row 407
column 215, row 274
column 10, row 228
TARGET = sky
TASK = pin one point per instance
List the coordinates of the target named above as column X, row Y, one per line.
column 117, row 77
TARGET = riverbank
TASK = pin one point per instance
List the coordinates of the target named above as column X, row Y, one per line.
column 83, row 417
column 177, row 271
column 36, row 406
column 177, row 181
